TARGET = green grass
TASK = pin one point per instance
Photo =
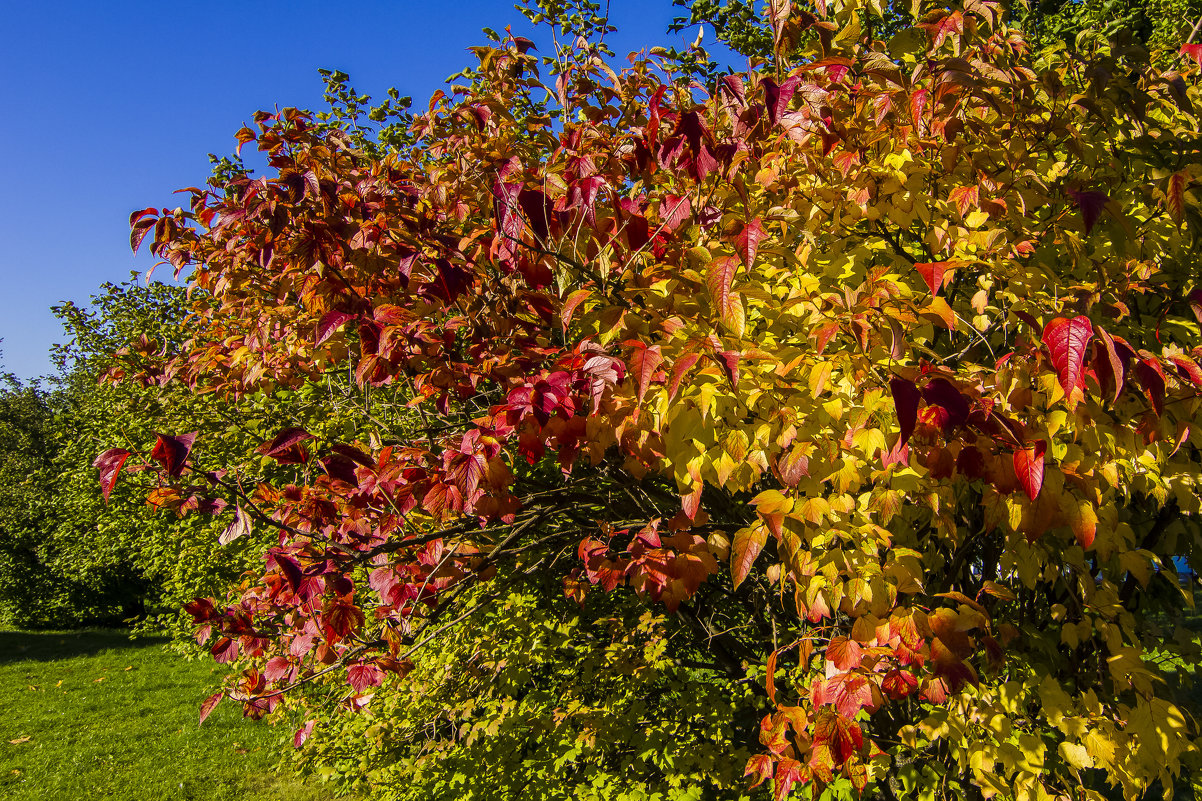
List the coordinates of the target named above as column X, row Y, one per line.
column 95, row 715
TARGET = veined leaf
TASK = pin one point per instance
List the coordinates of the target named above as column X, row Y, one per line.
column 1028, row 466
column 1067, row 342
column 747, row 545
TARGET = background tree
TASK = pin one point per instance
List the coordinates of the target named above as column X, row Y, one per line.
column 872, row 374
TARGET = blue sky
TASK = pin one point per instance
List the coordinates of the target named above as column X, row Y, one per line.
column 112, row 106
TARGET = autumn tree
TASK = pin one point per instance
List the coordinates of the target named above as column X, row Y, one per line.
column 869, row 374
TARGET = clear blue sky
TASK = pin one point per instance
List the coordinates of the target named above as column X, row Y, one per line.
column 109, row 107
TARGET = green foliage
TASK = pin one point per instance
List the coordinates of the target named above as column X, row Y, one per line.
column 536, row 697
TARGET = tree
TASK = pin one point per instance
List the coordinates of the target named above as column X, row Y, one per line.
column 872, row 373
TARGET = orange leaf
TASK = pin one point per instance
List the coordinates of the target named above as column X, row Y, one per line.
column 1028, row 466
column 748, row 544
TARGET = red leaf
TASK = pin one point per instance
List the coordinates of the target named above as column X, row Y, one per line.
column 302, row 734
column 330, row 322
column 728, row 360
column 1028, row 466
column 682, row 366
column 570, row 303
column 905, row 399
column 109, row 464
column 1193, row 51
column 363, row 676
column 674, row 211
column 944, row 394
column 1195, row 303
column 171, row 452
column 749, row 240
column 788, row 772
column 1091, row 203
column 937, row 273
column 1116, row 362
column 286, row 446
column 918, row 102
column 209, row 704
column 1188, row 368
column 842, row 736
column 1151, row 376
column 1067, row 341
column 899, row 683
column 777, row 97
column 793, row 466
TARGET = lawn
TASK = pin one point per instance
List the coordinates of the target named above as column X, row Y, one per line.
column 95, row 715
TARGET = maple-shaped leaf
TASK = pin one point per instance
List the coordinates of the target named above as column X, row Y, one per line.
column 906, row 396
column 1067, row 342
column 286, row 448
column 1028, row 466
column 747, row 545
column 749, row 240
column 788, row 773
column 759, row 767
column 240, row 527
column 109, row 464
column 1091, row 203
column 172, row 452
column 209, row 704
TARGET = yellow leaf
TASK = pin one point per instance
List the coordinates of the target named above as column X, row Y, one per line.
column 772, row 502
column 1076, row 755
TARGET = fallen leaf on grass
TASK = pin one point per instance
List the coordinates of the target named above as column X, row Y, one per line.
column 99, row 679
column 20, row 740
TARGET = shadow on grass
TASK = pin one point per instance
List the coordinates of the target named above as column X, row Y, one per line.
column 46, row 646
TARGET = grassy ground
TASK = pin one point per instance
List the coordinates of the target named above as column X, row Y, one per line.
column 94, row 715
